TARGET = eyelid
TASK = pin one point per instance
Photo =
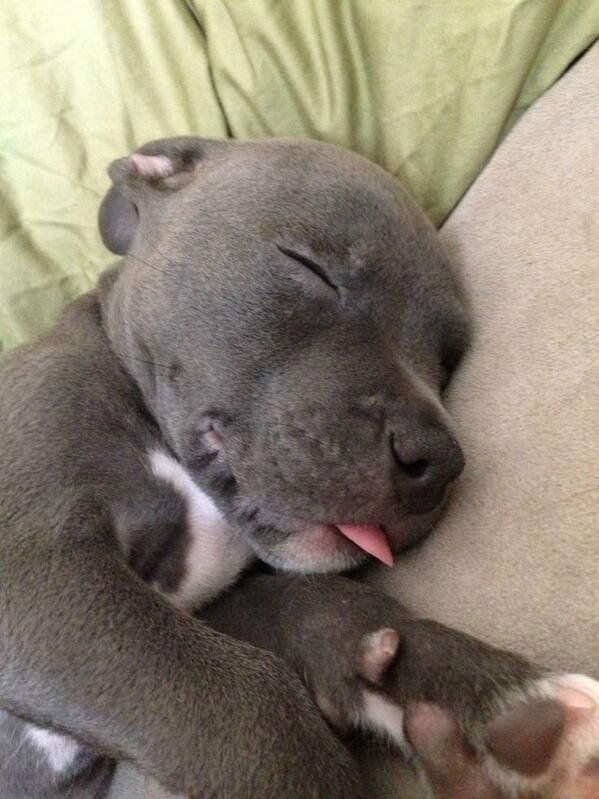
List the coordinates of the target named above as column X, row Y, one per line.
column 449, row 362
column 314, row 267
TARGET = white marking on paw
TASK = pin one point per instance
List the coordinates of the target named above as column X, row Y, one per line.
column 60, row 750
column 216, row 555
column 580, row 694
column 385, row 718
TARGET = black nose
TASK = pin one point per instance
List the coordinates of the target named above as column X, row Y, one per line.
column 426, row 459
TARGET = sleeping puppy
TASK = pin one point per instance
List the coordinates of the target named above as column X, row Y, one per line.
column 260, row 376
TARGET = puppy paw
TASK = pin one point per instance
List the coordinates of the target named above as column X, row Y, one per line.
column 542, row 747
column 347, row 693
column 548, row 745
column 483, row 723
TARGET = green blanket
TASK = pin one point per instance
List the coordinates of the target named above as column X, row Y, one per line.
column 425, row 88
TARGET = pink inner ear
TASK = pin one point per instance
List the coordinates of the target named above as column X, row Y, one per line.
column 151, row 166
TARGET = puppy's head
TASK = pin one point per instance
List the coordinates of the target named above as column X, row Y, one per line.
column 290, row 319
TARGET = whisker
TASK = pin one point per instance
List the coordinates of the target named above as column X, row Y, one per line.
column 153, row 266
column 154, row 247
column 290, row 425
column 147, row 263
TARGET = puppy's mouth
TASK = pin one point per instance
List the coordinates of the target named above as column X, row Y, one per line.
column 370, row 538
column 295, row 544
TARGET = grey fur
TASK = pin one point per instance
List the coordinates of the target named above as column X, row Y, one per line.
column 322, row 393
column 319, row 625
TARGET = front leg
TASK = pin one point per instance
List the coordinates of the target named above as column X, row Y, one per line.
column 89, row 650
column 484, row 723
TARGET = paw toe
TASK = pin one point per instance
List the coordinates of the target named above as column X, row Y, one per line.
column 550, row 744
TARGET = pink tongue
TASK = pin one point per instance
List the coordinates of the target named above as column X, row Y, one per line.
column 369, row 538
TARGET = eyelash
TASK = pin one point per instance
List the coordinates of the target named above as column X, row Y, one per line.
column 312, row 266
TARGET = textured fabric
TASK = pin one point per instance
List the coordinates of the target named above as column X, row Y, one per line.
column 425, row 89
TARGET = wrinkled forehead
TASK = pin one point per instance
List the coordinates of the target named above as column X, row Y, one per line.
column 332, row 197
column 254, row 231
column 255, row 201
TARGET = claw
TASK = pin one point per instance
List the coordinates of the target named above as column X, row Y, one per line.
column 377, row 652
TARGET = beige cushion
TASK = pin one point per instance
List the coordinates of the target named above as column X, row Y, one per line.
column 516, row 560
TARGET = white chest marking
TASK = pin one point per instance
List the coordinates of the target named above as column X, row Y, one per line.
column 60, row 750
column 216, row 555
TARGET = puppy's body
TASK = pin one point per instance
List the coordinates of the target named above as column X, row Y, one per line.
column 319, row 626
column 167, row 529
column 262, row 372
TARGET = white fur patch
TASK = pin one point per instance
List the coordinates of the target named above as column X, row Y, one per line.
column 151, row 166
column 216, row 555
column 59, row 750
column 385, row 718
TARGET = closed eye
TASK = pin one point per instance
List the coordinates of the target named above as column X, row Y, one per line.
column 448, row 366
column 314, row 267
column 453, row 351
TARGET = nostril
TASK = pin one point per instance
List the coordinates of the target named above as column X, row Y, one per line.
column 426, row 459
column 415, row 469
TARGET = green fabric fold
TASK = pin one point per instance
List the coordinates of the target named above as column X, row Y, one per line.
column 426, row 89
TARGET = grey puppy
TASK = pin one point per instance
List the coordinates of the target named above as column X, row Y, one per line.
column 261, row 375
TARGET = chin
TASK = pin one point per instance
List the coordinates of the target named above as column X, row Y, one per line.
column 313, row 548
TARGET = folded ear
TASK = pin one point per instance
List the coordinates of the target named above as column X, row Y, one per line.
column 161, row 166
column 117, row 220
